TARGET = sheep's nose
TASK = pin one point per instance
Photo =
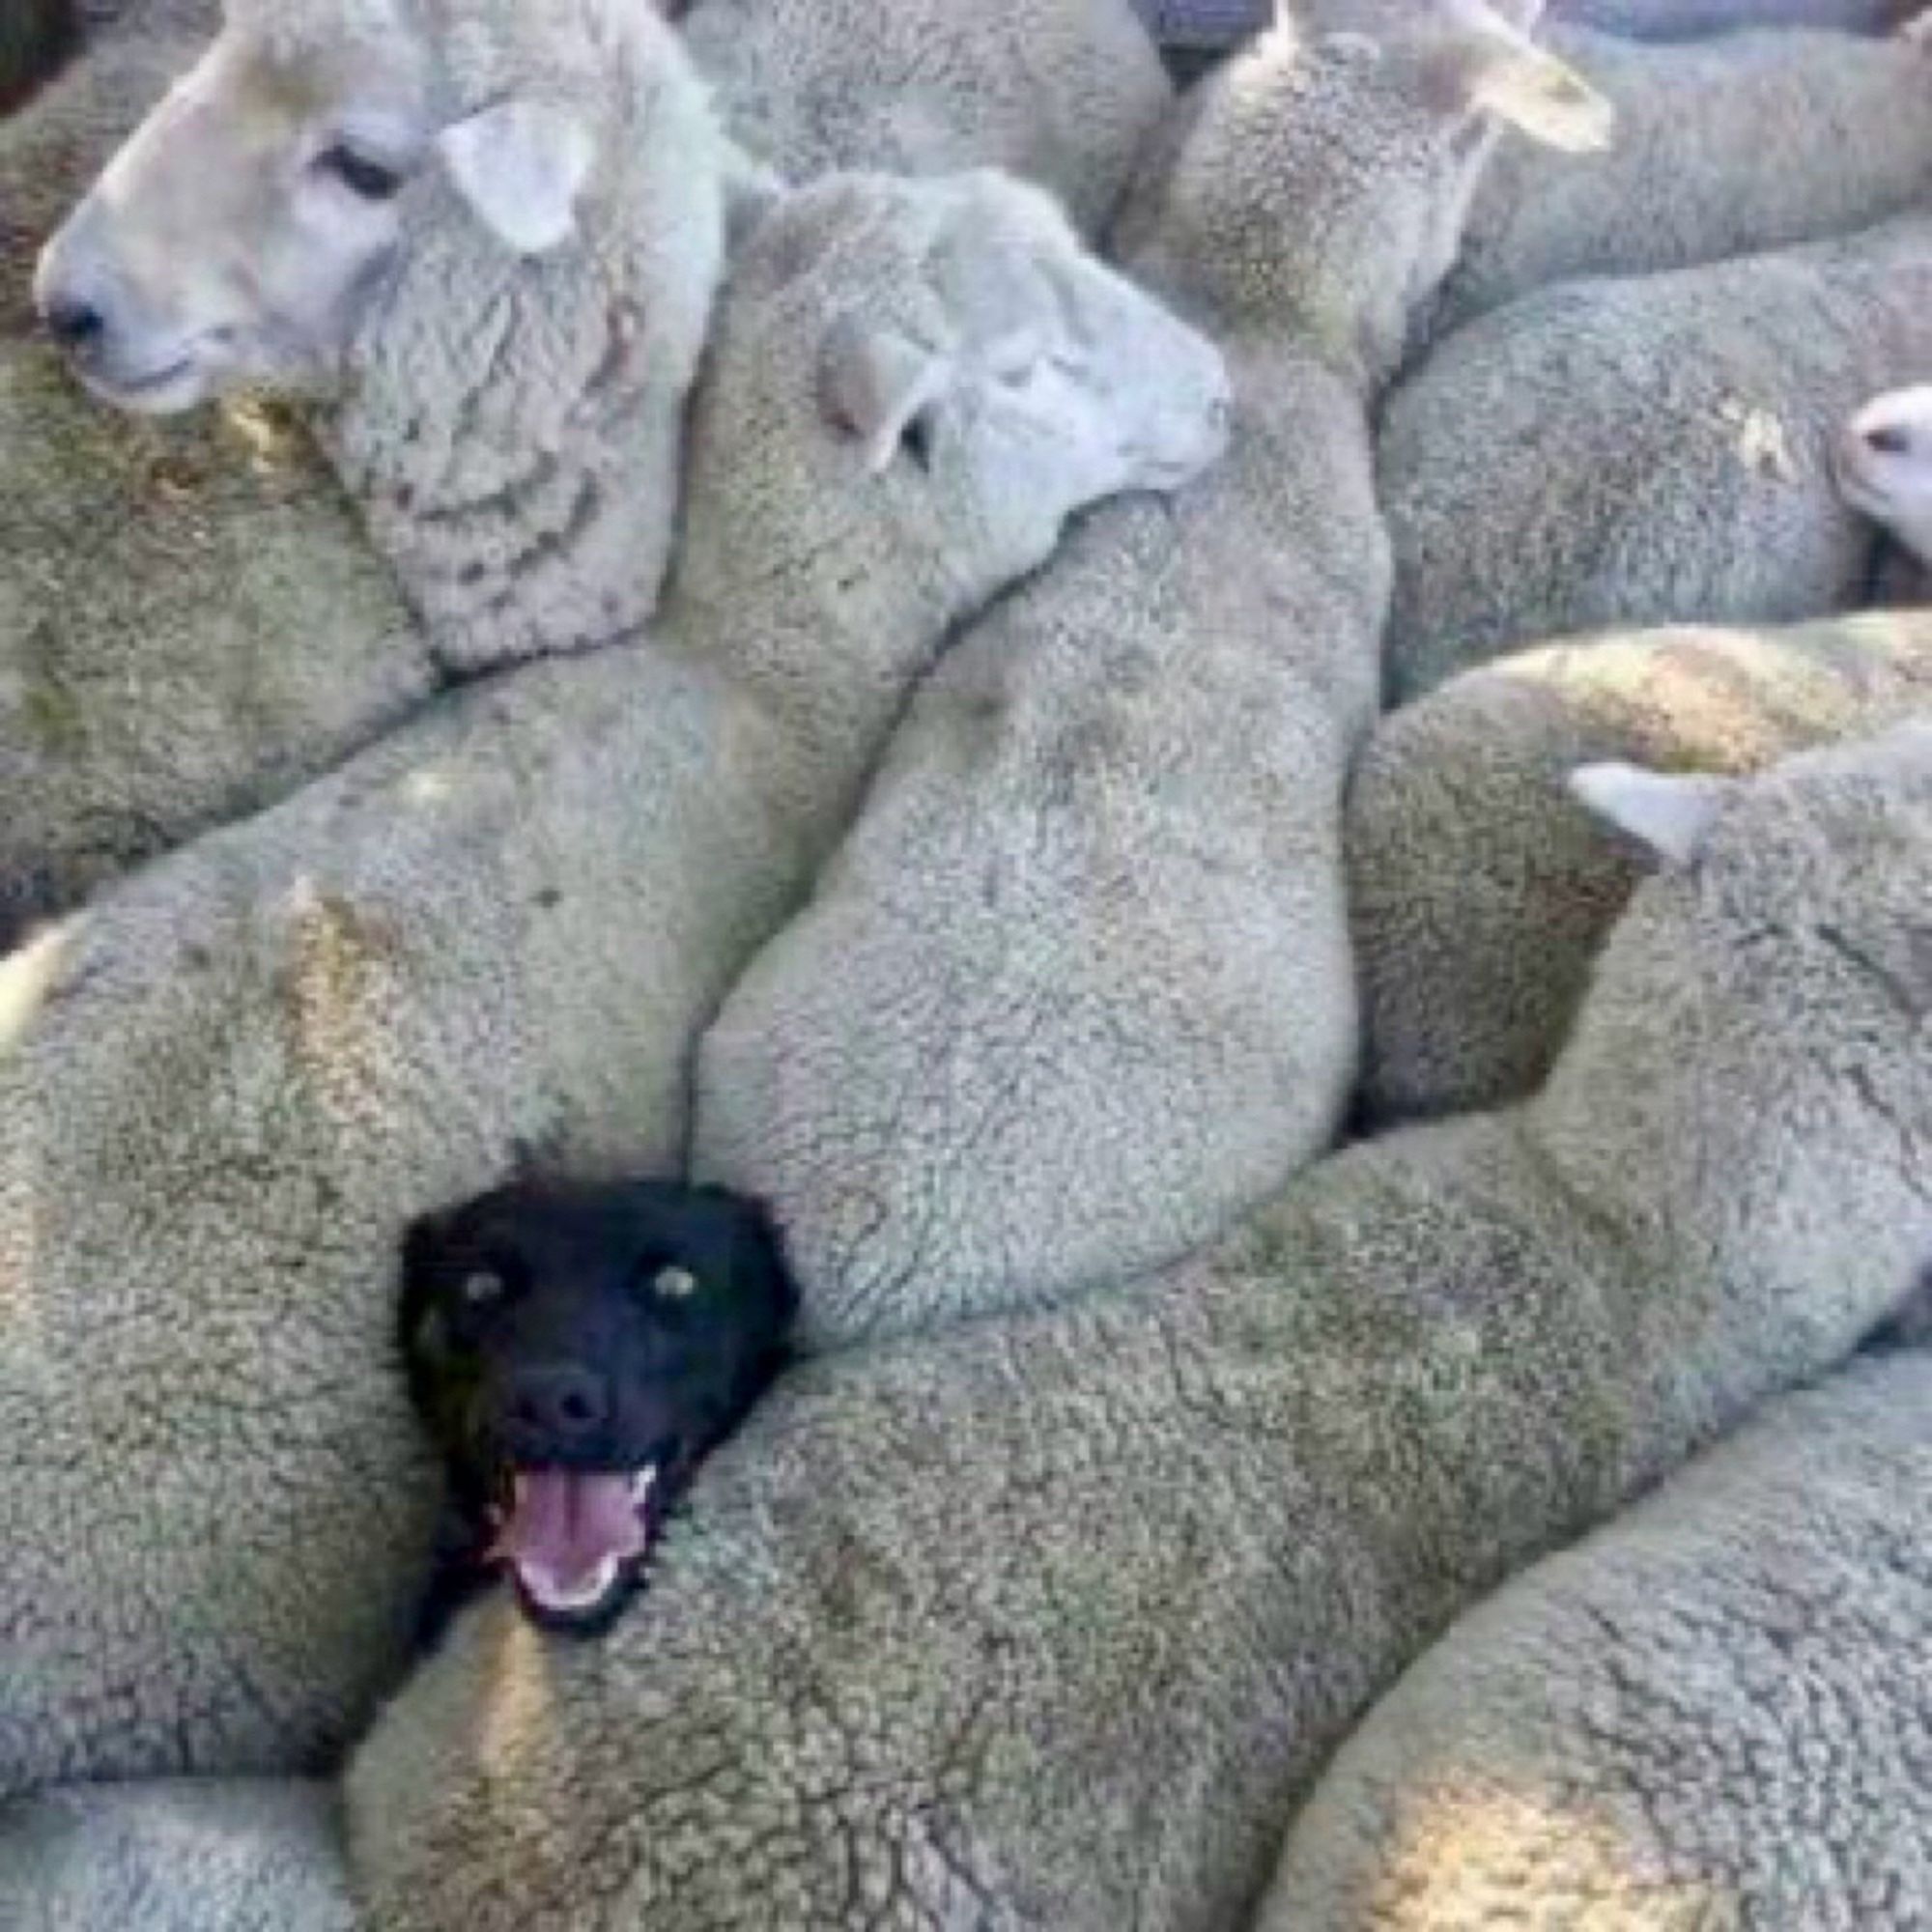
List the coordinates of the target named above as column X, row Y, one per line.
column 72, row 322
column 563, row 1404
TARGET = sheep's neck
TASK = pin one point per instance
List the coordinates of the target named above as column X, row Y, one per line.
column 513, row 428
column 831, row 675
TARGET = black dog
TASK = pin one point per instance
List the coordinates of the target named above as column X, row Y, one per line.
column 576, row 1351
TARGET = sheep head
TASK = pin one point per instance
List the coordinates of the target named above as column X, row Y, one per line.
column 317, row 151
column 1884, row 463
column 1328, row 173
column 949, row 374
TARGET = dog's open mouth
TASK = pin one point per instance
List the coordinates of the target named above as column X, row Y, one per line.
column 573, row 1538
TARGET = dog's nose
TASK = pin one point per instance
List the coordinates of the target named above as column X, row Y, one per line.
column 72, row 322
column 559, row 1402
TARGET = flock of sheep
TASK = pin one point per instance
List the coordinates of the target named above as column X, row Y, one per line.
column 1009, row 704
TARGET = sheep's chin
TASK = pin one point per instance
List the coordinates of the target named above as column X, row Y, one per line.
column 166, row 392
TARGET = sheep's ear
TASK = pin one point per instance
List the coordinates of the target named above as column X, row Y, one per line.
column 876, row 384
column 1497, row 67
column 1669, row 815
column 519, row 165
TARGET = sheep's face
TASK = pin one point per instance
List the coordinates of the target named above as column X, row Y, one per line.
column 241, row 232
column 575, row 1354
column 1885, row 465
column 949, row 375
column 1329, row 168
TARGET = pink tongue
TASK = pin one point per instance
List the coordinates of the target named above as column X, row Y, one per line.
column 564, row 1523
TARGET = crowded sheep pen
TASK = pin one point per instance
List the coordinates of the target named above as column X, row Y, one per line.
column 965, row 965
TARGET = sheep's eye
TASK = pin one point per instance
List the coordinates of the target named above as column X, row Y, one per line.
column 916, row 440
column 674, row 1284
column 482, row 1288
column 370, row 180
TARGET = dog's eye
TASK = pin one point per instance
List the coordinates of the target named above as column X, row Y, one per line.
column 674, row 1284
column 481, row 1287
column 360, row 176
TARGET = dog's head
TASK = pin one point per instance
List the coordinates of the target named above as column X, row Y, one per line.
column 575, row 1353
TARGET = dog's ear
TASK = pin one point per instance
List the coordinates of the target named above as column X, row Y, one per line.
column 421, row 1249
column 766, row 1253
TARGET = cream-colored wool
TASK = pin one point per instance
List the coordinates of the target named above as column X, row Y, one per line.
column 1654, row 449
column 1077, row 990
column 1480, row 890
column 248, row 1856
column 1051, row 1620
column 1712, row 1714
column 230, row 1084
column 1061, row 91
column 1719, row 150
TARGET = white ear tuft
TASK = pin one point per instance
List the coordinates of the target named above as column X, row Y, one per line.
column 875, row 382
column 1504, row 72
column 521, row 166
column 1671, row 815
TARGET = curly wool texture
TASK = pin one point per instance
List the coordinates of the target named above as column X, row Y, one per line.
column 1077, row 989
column 1050, row 1620
column 1480, row 890
column 1686, row 180
column 1060, row 91
column 205, row 1857
column 1649, row 450
column 1713, row 1713
column 230, row 1084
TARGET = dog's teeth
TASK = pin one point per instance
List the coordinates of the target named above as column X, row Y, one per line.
column 641, row 1483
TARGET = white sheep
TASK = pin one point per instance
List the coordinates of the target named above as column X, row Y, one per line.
column 493, row 233
column 1691, row 20
column 230, row 1085
column 1063, row 92
column 1688, row 177
column 1077, row 989
column 1712, row 1714
column 254, row 1854
column 1481, row 890
column 1884, row 466
column 1051, row 1619
column 147, row 563
column 1647, row 450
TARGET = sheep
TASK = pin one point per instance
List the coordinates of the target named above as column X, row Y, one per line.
column 1077, row 989
column 1481, row 890
column 248, row 1856
column 1050, row 1619
column 146, row 563
column 1063, row 92
column 1687, row 179
column 1883, row 468
column 1714, row 1713
column 491, row 939
column 491, row 234
column 1691, row 20
column 1647, row 450
column 35, row 36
